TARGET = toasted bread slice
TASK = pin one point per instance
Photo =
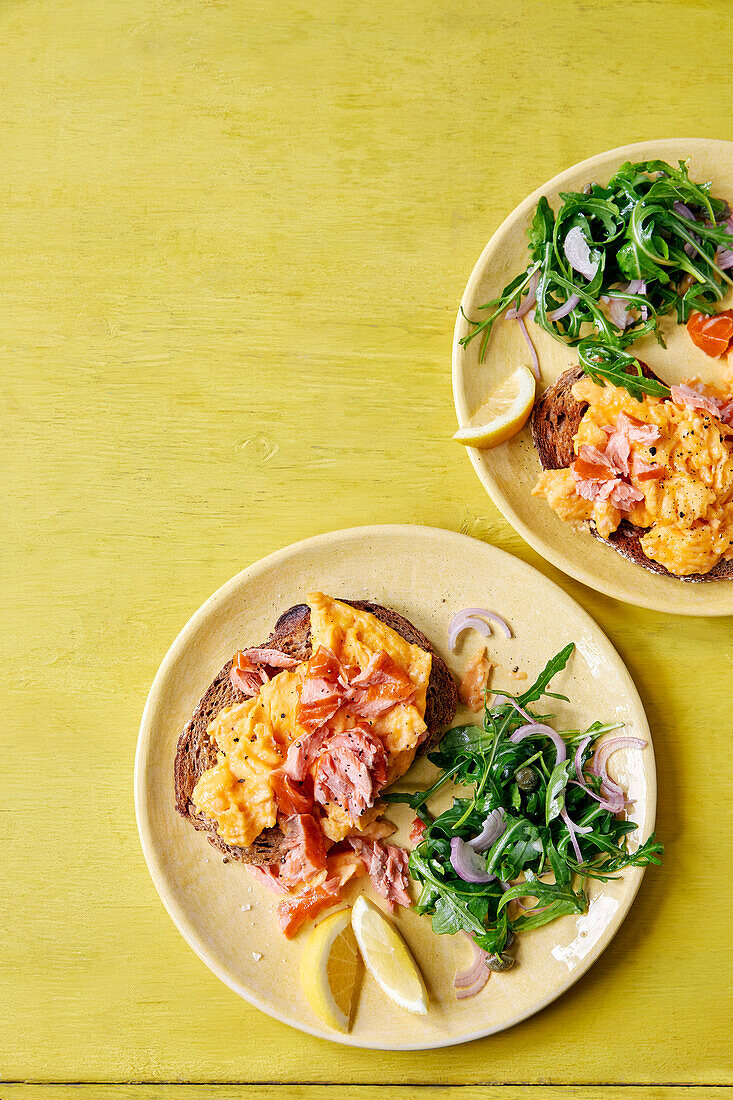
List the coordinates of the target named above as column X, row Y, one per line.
column 555, row 421
column 195, row 752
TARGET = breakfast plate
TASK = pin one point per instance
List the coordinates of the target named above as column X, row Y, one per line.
column 509, row 472
column 426, row 575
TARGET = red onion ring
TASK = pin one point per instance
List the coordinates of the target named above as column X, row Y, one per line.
column 524, row 307
column 612, row 791
column 467, row 863
column 533, row 728
column 613, row 801
column 618, row 312
column 685, row 211
column 572, row 829
column 494, row 826
column 531, row 908
column 638, row 286
column 484, row 613
column 563, row 310
column 607, row 749
column 472, row 618
column 577, row 253
column 530, row 345
column 471, row 981
column 464, row 621
column 724, row 258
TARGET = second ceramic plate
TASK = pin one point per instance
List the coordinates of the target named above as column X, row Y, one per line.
column 426, row 575
column 510, row 471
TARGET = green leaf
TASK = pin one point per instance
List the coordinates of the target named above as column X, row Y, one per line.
column 541, row 230
column 554, row 665
column 616, row 367
column 547, row 893
column 555, row 799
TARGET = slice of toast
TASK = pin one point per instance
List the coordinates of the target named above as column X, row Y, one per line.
column 196, row 752
column 555, row 421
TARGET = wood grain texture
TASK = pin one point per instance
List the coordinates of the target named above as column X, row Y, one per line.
column 234, row 237
column 354, row 1092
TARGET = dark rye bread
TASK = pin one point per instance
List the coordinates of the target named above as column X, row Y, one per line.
column 196, row 752
column 555, row 421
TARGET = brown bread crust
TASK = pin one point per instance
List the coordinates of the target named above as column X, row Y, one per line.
column 196, row 752
column 555, row 421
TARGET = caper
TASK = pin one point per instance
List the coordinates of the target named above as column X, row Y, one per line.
column 500, row 962
column 527, row 779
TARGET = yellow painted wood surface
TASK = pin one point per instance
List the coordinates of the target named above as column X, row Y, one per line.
column 356, row 1092
column 233, row 239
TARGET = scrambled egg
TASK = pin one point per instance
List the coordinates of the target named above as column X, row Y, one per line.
column 689, row 511
column 253, row 737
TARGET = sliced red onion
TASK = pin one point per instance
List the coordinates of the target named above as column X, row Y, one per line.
column 724, row 258
column 525, row 306
column 638, row 286
column 468, row 864
column 563, row 310
column 573, row 829
column 684, row 211
column 618, row 312
column 463, row 994
column 579, row 755
column 610, row 800
column 530, row 345
column 607, row 749
column 471, row 981
column 535, row 728
column 484, row 613
column 611, row 791
column 473, row 618
column 531, row 908
column 494, row 826
column 465, row 621
column 577, row 251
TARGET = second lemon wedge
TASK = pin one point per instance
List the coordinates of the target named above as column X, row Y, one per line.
column 387, row 957
column 504, row 414
column 328, row 969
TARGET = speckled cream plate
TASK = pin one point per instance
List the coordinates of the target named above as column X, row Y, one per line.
column 427, row 575
column 509, row 472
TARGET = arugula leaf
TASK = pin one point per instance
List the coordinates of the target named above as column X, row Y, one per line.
column 547, row 893
column 611, row 365
column 540, row 231
column 554, row 665
column 555, row 797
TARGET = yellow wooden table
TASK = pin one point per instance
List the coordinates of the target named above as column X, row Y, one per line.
column 233, row 237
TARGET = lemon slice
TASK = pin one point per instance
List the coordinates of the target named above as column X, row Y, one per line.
column 328, row 970
column 504, row 414
column 387, row 957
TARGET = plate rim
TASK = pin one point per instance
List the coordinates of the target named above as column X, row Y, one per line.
column 595, row 582
column 145, row 831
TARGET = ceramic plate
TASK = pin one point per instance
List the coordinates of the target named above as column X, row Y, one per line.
column 426, row 575
column 509, row 472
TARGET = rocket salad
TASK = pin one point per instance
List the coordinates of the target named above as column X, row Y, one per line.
column 615, row 259
column 540, row 816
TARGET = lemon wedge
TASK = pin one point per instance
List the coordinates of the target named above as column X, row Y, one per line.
column 387, row 957
column 328, row 968
column 504, row 414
